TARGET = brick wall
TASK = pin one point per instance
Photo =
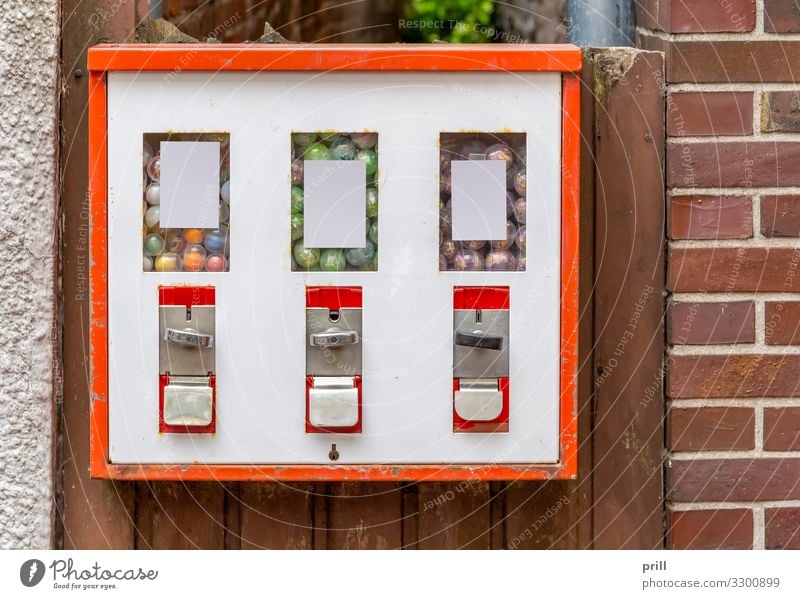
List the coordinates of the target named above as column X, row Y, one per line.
column 733, row 174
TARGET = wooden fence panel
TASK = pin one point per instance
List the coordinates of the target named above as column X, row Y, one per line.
column 616, row 501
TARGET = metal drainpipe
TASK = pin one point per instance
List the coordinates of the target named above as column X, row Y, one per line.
column 601, row 23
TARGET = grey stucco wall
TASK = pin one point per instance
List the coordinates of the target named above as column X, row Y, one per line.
column 29, row 52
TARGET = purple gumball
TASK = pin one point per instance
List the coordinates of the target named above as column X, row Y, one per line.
column 520, row 208
column 521, row 238
column 502, row 260
column 511, row 235
column 448, row 249
column 468, row 260
column 297, row 171
column 499, row 152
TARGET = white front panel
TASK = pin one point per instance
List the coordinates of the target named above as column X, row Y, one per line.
column 407, row 383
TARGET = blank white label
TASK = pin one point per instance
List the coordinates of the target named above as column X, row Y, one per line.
column 335, row 204
column 479, row 199
column 189, row 184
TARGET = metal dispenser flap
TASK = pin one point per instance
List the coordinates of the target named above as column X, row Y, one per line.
column 188, row 402
column 333, row 402
column 478, row 400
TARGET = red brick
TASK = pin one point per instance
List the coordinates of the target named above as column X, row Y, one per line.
column 733, row 164
column 711, row 322
column 734, row 269
column 780, row 216
column 707, row 429
column 781, row 16
column 734, row 62
column 653, row 14
column 780, row 112
column 756, row 375
column 782, row 323
column 782, row 429
column 711, row 529
column 782, row 528
column 705, row 16
column 711, row 217
column 710, row 113
column 739, row 479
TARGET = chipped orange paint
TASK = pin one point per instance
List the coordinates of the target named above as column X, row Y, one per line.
column 226, row 57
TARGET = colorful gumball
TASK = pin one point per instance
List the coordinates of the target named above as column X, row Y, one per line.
column 153, row 244
column 194, row 258
column 306, row 257
column 147, row 154
column 224, row 212
column 297, row 199
column 169, row 262
column 216, row 263
column 511, row 235
column 372, row 202
column 522, row 263
column 316, row 151
column 520, row 209
column 442, row 263
column 332, row 260
column 468, row 260
column 152, row 217
column 371, row 160
column 193, row 236
column 358, row 257
column 216, row 241
column 521, row 182
column 448, row 249
column 147, row 263
column 373, row 232
column 154, row 168
column 364, row 141
column 500, row 260
column 521, row 239
column 297, row 171
column 343, row 148
column 225, row 192
column 499, row 152
column 153, row 194
column 174, row 241
column 475, row 244
column 297, row 226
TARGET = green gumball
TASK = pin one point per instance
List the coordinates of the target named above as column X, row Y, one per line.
column 373, row 232
column 306, row 257
column 332, row 260
column 297, row 199
column 371, row 159
column 372, row 202
column 297, row 226
column 372, row 263
column 316, row 151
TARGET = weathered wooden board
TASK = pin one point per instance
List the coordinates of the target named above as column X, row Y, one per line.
column 616, row 501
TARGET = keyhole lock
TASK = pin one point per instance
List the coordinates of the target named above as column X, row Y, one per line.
column 333, row 454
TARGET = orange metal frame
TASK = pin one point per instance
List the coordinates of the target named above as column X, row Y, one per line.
column 565, row 59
